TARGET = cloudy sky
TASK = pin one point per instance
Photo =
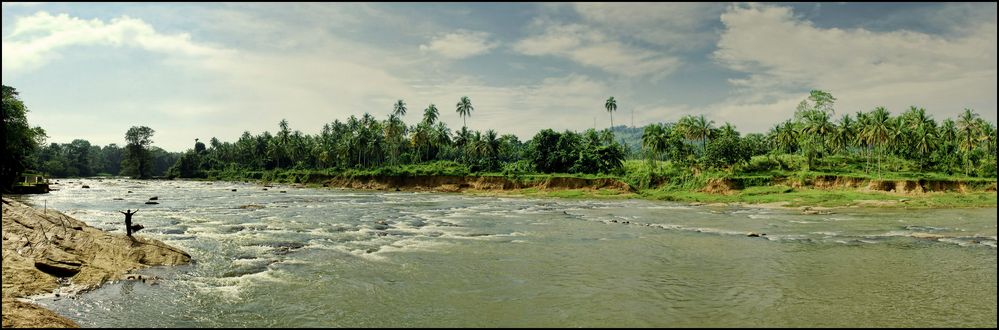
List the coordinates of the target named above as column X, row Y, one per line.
column 194, row 70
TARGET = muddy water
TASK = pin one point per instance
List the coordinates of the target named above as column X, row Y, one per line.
column 337, row 258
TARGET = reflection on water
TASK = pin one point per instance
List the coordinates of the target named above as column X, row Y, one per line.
column 324, row 258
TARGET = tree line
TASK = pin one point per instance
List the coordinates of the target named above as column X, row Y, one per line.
column 25, row 149
column 914, row 139
column 811, row 140
column 366, row 142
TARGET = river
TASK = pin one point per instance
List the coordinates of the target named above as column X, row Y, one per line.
column 302, row 257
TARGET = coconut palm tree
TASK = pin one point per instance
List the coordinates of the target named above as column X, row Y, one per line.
column 430, row 115
column 611, row 106
column 897, row 138
column 654, row 142
column 491, row 147
column 878, row 131
column 843, row 134
column 728, row 130
column 817, row 127
column 399, row 109
column 862, row 137
column 394, row 129
column 968, row 134
column 925, row 142
column 464, row 108
column 696, row 128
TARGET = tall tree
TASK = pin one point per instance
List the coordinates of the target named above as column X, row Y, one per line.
column 399, row 109
column 654, row 143
column 969, row 133
column 20, row 140
column 138, row 162
column 464, row 108
column 80, row 157
column 816, row 127
column 785, row 137
column 817, row 100
column 430, row 115
column 879, row 130
column 843, row 134
column 281, row 144
column 697, row 128
column 611, row 106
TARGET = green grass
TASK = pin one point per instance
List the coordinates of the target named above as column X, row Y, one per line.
column 828, row 197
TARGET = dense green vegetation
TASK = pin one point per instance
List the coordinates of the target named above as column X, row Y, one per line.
column 666, row 158
column 25, row 150
column 20, row 139
column 365, row 142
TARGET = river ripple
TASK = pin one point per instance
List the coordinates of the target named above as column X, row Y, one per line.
column 293, row 257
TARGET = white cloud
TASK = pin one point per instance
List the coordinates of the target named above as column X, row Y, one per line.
column 681, row 26
column 21, row 4
column 460, row 44
column 784, row 55
column 593, row 48
column 563, row 102
column 39, row 38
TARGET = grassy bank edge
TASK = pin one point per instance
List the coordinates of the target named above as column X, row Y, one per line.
column 779, row 195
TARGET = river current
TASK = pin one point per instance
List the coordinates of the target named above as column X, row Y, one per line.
column 304, row 257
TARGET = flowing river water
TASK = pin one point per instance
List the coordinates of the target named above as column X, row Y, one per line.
column 300, row 257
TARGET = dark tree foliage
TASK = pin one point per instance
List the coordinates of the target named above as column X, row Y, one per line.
column 138, row 162
column 725, row 151
column 570, row 152
column 20, row 140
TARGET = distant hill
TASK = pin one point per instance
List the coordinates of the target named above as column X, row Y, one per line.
column 630, row 137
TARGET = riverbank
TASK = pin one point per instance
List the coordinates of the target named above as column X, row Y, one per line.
column 821, row 192
column 48, row 252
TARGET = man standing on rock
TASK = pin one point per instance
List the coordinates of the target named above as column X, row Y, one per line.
column 128, row 221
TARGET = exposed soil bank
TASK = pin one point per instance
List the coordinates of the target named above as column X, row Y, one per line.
column 727, row 186
column 45, row 250
column 480, row 183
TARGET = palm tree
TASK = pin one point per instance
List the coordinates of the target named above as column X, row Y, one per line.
column 925, row 141
column 654, row 142
column 394, row 130
column 430, row 115
column 843, row 134
column 491, row 146
column 399, row 109
column 697, row 128
column 441, row 135
column 283, row 135
column 786, row 138
column 897, row 137
column 862, row 136
column 878, row 131
column 611, row 106
column 462, row 140
column 728, row 130
column 968, row 133
column 817, row 127
column 464, row 108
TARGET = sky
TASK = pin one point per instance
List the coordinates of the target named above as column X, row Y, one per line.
column 203, row 70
